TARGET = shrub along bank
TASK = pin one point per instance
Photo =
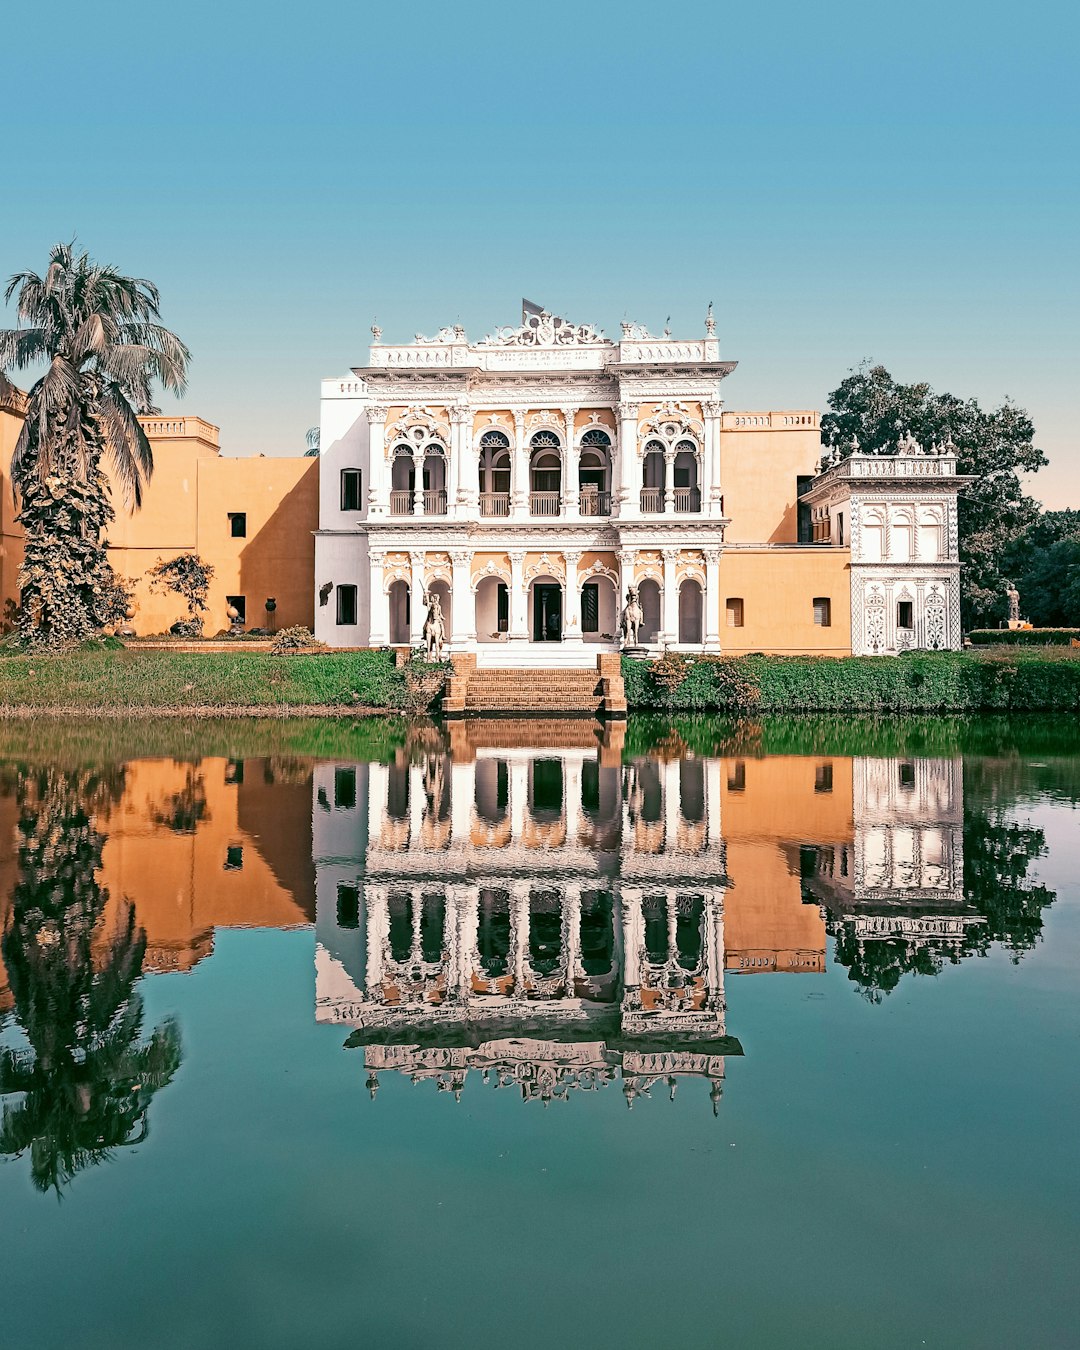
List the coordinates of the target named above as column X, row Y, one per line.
column 1001, row 681
column 1025, row 637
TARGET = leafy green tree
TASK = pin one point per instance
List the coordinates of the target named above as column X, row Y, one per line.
column 86, row 1075
column 97, row 334
column 189, row 577
column 995, row 447
column 1044, row 564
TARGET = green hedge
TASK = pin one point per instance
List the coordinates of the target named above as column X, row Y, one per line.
column 920, row 682
column 1024, row 637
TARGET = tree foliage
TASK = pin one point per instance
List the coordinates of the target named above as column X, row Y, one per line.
column 189, row 577
column 995, row 447
column 1044, row 564
column 97, row 334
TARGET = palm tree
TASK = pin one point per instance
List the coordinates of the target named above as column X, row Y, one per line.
column 104, row 350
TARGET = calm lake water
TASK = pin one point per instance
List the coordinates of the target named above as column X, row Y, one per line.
column 682, row 1034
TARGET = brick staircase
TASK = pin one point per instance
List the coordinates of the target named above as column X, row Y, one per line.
column 544, row 692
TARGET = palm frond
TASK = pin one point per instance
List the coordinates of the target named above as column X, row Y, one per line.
column 127, row 444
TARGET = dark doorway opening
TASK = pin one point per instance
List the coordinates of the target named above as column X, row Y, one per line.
column 547, row 613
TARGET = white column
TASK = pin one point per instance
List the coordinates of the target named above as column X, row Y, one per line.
column 672, row 804
column 669, row 480
column 572, row 627
column 715, row 974
column 572, row 800
column 462, row 796
column 418, row 482
column 519, row 931
column 417, row 608
column 571, row 935
column 629, row 465
column 627, row 559
column 712, row 802
column 519, row 619
column 378, row 775
column 519, row 790
column 519, row 486
column 669, row 601
column 379, row 602
column 462, row 601
column 378, row 926
column 417, row 802
column 633, row 944
column 378, row 497
column 711, row 600
column 460, row 489
column 571, row 498
column 712, row 487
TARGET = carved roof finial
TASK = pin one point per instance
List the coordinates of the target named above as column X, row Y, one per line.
column 710, row 322
column 376, row 331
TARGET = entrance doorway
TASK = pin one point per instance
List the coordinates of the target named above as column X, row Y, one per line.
column 547, row 613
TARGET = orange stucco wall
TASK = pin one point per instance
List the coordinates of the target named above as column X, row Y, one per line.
column 759, row 471
column 778, row 587
column 186, row 510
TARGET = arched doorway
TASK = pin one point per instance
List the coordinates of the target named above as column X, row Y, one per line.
column 446, row 602
column 402, row 483
column 690, row 611
column 492, row 609
column 400, row 614
column 653, row 478
column 594, row 473
column 649, row 599
column 546, row 609
column 599, row 609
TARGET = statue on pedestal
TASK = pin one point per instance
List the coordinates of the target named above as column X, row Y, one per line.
column 632, row 618
column 1013, row 596
column 434, row 630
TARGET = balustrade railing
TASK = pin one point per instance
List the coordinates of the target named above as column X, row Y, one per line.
column 434, row 503
column 687, row 499
column 652, row 500
column 401, row 502
column 494, row 503
column 545, row 503
column 595, row 503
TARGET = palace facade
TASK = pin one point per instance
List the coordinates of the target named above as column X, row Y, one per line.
column 528, row 479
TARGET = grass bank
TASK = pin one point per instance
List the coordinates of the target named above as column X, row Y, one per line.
column 1014, row 680
column 111, row 682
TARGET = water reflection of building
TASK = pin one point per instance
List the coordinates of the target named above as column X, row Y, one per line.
column 549, row 916
column 901, row 878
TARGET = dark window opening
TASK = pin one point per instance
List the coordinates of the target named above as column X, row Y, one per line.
column 502, row 600
column 346, row 605
column 907, row 776
column 239, row 603
column 238, row 524
column 350, row 490
column 840, row 528
column 823, row 611
column 345, row 788
column 905, row 614
column 737, row 777
column 590, row 607
column 803, row 513
column 234, row 858
column 234, row 771
column 823, row 778
column 348, row 906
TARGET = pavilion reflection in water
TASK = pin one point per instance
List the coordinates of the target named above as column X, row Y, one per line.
column 552, row 913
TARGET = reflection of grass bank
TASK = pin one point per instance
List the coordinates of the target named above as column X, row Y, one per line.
column 199, row 683
column 946, row 682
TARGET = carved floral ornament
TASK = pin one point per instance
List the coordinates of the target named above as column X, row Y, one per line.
column 418, row 426
column 546, row 565
column 599, row 569
column 671, row 423
column 493, row 567
column 545, row 330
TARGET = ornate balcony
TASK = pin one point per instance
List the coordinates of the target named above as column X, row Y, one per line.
column 591, row 502
column 687, row 499
column 401, row 502
column 494, row 503
column 545, row 504
column 434, row 503
column 652, row 501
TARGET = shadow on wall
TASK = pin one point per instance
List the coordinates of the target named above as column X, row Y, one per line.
column 279, row 560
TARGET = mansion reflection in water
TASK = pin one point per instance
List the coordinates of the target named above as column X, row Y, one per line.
column 558, row 915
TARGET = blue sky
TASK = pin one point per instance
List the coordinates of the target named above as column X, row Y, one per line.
column 843, row 180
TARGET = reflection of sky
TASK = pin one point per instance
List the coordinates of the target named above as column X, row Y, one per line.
column 842, row 183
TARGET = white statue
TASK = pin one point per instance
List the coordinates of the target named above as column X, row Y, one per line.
column 632, row 618
column 434, row 630
column 1013, row 596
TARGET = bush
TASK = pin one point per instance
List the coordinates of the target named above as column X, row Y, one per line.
column 1024, row 637
column 296, row 639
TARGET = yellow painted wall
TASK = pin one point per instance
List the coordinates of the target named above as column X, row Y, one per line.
column 759, row 469
column 778, row 587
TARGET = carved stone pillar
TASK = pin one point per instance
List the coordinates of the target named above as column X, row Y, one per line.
column 711, row 600
column 519, row 932
column 672, row 805
column 571, row 498
column 712, row 484
column 462, row 797
column 417, row 607
column 378, row 492
column 417, row 802
column 572, row 629
column 418, row 481
column 519, row 793
column 378, row 776
column 572, row 802
column 378, row 602
column 460, row 487
column 629, row 463
column 378, row 928
column 571, row 935
column 520, row 476
column 669, row 626
column 519, row 619
column 462, row 600
column 633, row 945
column 669, row 480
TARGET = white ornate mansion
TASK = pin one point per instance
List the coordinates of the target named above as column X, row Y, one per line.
column 529, row 479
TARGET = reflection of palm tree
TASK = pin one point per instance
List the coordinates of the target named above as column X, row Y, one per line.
column 86, row 1074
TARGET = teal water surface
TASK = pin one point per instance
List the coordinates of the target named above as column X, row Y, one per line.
column 685, row 1035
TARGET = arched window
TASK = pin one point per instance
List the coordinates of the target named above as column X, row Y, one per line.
column 594, row 473
column 684, row 477
column 495, row 474
column 545, row 471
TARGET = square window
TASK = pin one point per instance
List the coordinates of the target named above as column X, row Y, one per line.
column 238, row 524
column 234, row 858
column 735, row 613
column 345, row 788
column 346, row 605
column 350, row 490
column 823, row 611
column 239, row 603
column 823, row 778
column 737, row 777
column 907, row 777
